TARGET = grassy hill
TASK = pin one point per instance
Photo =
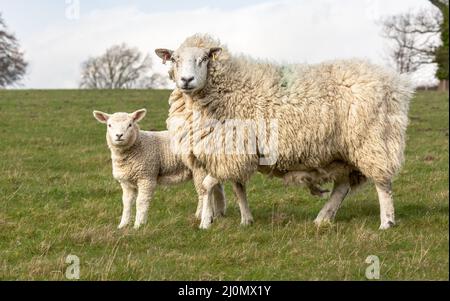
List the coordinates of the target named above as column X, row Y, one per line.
column 58, row 197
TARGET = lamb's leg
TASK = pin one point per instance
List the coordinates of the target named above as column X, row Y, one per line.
column 241, row 194
column 387, row 214
column 328, row 212
column 198, row 175
column 207, row 209
column 220, row 202
column 145, row 192
column 128, row 196
column 198, row 212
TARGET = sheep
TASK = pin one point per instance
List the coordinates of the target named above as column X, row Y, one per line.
column 341, row 121
column 142, row 160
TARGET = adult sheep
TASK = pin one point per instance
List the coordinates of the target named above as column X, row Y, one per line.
column 341, row 121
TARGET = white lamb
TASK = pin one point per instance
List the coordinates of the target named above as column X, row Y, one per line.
column 141, row 160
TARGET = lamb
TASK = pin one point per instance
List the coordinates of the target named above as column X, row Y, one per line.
column 142, row 160
column 347, row 118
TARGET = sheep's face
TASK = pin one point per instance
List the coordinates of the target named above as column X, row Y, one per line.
column 122, row 128
column 189, row 66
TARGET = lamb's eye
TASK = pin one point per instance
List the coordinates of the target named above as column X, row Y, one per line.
column 109, row 125
column 129, row 125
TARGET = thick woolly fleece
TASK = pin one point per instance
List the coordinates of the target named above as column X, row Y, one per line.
column 149, row 157
column 346, row 113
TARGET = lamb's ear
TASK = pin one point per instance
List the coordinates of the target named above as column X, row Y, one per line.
column 164, row 54
column 101, row 117
column 139, row 115
column 214, row 53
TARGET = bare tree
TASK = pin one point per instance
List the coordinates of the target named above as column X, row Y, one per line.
column 121, row 67
column 413, row 38
column 12, row 63
column 441, row 55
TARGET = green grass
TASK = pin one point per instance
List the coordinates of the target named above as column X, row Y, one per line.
column 58, row 197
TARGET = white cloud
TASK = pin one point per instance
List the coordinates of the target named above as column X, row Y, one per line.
column 285, row 31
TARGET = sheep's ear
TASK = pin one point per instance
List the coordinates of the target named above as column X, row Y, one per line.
column 164, row 54
column 214, row 53
column 101, row 117
column 139, row 115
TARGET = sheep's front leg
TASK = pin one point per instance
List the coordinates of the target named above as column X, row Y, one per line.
column 219, row 202
column 241, row 194
column 146, row 188
column 207, row 207
column 128, row 196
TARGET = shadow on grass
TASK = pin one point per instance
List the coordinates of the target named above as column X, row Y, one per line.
column 348, row 213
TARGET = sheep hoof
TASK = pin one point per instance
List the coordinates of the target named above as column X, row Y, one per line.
column 137, row 226
column 121, row 226
column 387, row 225
column 220, row 213
column 206, row 223
column 323, row 222
column 247, row 222
column 198, row 216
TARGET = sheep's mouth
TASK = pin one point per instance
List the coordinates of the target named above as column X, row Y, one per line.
column 187, row 88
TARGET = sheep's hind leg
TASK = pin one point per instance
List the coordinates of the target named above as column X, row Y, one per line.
column 328, row 212
column 207, row 207
column 241, row 194
column 220, row 202
column 198, row 212
column 387, row 214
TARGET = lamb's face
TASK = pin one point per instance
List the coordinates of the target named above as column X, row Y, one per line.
column 189, row 66
column 122, row 128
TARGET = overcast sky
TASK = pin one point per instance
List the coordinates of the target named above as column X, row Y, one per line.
column 57, row 38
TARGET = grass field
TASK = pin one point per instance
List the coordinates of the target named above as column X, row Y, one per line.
column 58, row 197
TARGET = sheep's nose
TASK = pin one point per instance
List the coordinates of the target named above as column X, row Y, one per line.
column 119, row 136
column 187, row 80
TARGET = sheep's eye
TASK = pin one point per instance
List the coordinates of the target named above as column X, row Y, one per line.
column 109, row 125
column 130, row 125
